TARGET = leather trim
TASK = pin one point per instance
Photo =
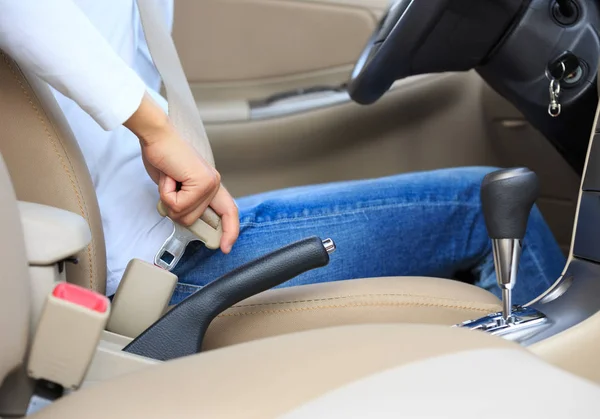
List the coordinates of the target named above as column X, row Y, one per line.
column 379, row 300
column 574, row 350
column 374, row 300
column 47, row 165
column 267, row 378
column 442, row 387
column 14, row 285
column 51, row 234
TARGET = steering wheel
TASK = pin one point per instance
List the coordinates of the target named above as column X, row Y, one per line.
column 427, row 36
column 388, row 53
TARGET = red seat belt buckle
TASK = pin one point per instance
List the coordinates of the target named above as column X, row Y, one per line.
column 81, row 296
column 68, row 333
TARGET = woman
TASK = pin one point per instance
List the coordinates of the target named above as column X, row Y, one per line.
column 94, row 55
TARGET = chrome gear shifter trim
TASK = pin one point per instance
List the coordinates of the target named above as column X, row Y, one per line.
column 507, row 253
column 523, row 323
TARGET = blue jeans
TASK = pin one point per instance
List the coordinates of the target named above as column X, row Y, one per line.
column 425, row 224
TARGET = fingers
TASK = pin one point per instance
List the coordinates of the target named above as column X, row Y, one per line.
column 189, row 203
column 200, row 187
column 224, row 205
column 189, row 217
column 167, row 188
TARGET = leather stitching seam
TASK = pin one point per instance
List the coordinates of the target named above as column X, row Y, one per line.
column 67, row 170
column 355, row 305
column 315, row 300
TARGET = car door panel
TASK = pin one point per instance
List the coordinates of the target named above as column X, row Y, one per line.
column 402, row 132
column 235, row 43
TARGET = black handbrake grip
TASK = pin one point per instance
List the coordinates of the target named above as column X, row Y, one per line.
column 180, row 331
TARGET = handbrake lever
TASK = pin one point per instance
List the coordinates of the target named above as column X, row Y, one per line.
column 180, row 332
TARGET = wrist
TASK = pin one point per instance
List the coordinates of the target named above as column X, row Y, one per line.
column 149, row 122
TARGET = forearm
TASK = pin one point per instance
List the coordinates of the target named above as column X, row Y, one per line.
column 57, row 42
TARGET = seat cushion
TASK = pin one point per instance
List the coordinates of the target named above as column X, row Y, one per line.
column 270, row 377
column 374, row 300
column 443, row 387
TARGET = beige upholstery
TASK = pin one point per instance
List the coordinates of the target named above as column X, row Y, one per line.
column 375, row 300
column 338, row 32
column 443, row 387
column 575, row 349
column 52, row 234
column 14, row 282
column 46, row 164
column 266, row 378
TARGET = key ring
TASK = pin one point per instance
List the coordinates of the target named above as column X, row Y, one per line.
column 554, row 109
column 554, row 89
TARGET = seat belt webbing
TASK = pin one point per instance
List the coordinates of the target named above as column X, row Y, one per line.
column 183, row 110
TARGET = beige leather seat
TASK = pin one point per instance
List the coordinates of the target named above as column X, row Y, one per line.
column 47, row 167
column 368, row 371
column 14, row 281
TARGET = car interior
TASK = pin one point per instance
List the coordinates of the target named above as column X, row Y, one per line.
column 298, row 92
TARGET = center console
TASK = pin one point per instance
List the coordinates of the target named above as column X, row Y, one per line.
column 563, row 324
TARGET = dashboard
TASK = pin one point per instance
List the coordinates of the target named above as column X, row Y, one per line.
column 541, row 55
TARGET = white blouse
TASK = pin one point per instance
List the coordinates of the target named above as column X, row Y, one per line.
column 93, row 53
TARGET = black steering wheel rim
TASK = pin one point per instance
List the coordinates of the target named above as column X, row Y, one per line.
column 388, row 54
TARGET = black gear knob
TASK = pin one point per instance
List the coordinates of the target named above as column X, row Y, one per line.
column 507, row 197
column 506, row 200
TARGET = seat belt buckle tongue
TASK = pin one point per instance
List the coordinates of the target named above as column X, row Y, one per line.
column 67, row 336
column 207, row 229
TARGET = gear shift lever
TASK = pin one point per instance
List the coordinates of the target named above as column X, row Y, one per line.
column 507, row 197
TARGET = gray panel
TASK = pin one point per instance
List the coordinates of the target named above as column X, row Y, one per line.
column 587, row 237
column 580, row 301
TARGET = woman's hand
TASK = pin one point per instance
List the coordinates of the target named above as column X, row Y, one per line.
column 169, row 159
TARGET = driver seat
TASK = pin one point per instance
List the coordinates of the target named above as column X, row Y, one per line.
column 47, row 167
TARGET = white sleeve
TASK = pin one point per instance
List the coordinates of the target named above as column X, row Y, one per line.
column 56, row 41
